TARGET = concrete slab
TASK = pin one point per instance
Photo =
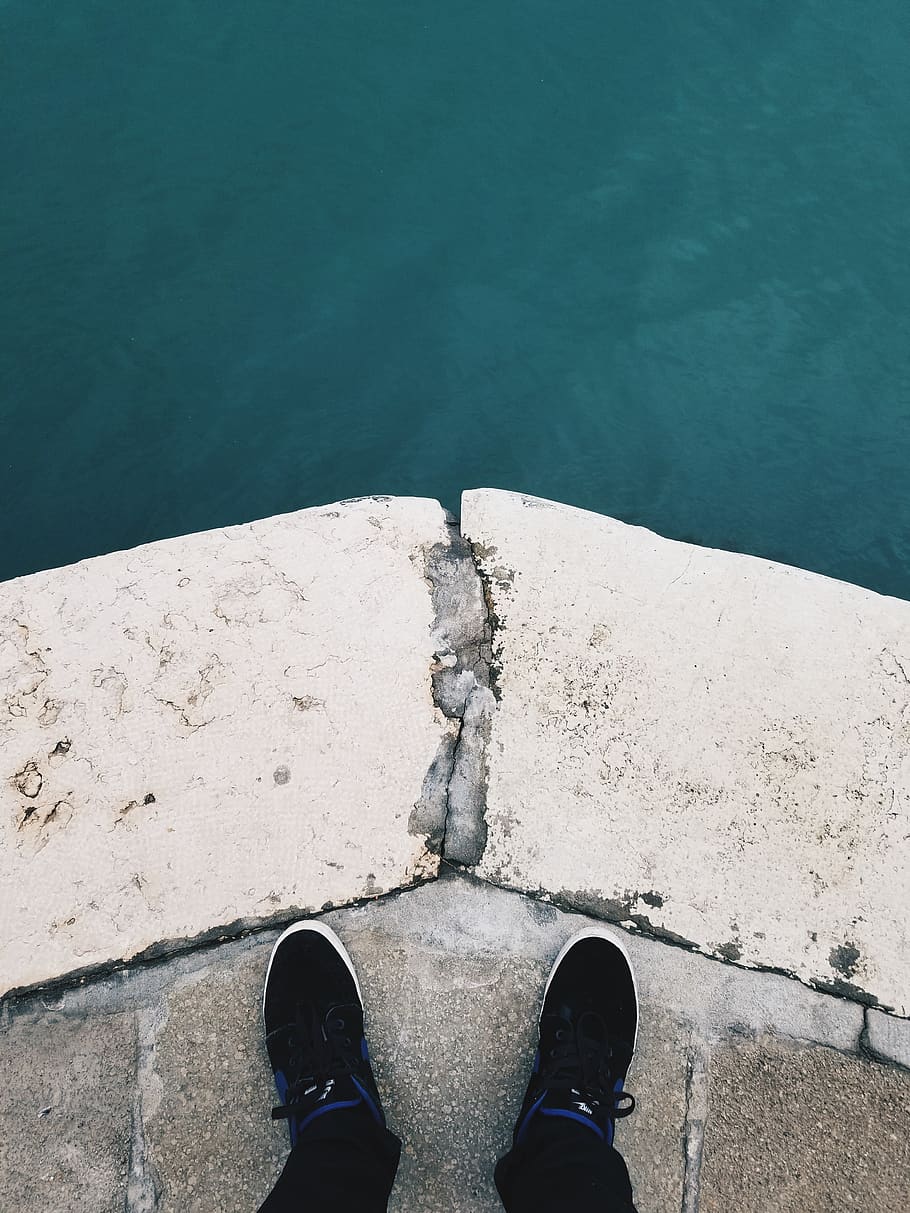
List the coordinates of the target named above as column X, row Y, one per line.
column 452, row 974
column 224, row 728
column 707, row 745
column 456, row 1063
column 888, row 1037
column 450, row 1020
column 66, row 1090
column 210, row 1142
column 797, row 1129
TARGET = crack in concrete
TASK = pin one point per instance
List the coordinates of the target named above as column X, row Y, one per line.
column 867, row 1050
column 864, row 1046
column 451, row 811
column 890, row 674
column 164, row 951
column 492, row 624
column 19, row 1001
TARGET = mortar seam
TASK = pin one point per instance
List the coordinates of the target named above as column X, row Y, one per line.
column 462, row 674
column 694, row 1123
column 142, row 1192
column 448, row 792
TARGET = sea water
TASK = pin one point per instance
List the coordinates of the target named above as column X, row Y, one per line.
column 649, row 259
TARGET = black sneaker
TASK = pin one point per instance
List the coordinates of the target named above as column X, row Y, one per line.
column 588, row 1027
column 313, row 1013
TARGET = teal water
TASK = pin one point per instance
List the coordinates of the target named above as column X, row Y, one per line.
column 653, row 260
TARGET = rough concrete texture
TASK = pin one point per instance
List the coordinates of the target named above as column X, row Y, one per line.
column 453, row 981
column 452, row 975
column 219, row 729
column 451, row 1009
column 210, row 1141
column 66, row 1090
column 792, row 1130
column 703, row 744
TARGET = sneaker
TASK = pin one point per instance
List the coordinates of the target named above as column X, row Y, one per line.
column 313, row 1013
column 588, row 1028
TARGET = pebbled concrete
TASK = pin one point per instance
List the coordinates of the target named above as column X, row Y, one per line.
column 197, row 735
column 65, row 1112
column 797, row 1129
column 209, row 1139
column 706, row 745
column 452, row 977
column 168, row 1107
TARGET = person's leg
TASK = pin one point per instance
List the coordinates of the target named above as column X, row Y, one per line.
column 562, row 1154
column 342, row 1155
column 337, row 1165
column 564, row 1167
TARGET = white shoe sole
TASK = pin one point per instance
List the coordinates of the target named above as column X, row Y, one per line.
column 317, row 928
column 595, row 933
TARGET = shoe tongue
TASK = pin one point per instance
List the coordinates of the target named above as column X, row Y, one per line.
column 575, row 1107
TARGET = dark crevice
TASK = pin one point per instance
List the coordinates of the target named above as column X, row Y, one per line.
column 638, row 924
column 166, row 950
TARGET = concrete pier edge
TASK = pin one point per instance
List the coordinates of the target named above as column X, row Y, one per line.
column 466, row 674
column 142, row 1078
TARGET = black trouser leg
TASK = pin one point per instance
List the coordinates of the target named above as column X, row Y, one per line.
column 562, row 1165
column 343, row 1160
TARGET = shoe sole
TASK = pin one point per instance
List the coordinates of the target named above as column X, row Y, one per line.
column 317, row 928
column 612, row 937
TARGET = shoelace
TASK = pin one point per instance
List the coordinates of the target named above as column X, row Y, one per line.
column 581, row 1062
column 318, row 1054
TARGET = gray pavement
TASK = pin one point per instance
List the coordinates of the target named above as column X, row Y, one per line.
column 148, row 1089
column 792, row 1129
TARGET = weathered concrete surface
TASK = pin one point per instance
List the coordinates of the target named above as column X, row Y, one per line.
column 65, row 1112
column 792, row 1130
column 452, row 974
column 219, row 729
column 700, row 743
column 452, row 977
column 210, row 1141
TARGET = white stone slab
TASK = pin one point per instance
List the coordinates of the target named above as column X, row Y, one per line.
column 705, row 744
column 212, row 730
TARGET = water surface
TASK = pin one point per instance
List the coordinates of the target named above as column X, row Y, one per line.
column 651, row 260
